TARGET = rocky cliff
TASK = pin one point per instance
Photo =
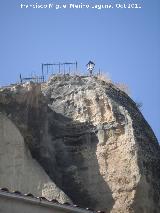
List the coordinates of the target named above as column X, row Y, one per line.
column 90, row 139
column 18, row 170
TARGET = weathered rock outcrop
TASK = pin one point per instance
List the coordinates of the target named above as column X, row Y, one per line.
column 91, row 140
column 18, row 170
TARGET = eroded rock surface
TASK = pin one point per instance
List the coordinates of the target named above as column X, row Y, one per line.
column 91, row 140
column 18, row 170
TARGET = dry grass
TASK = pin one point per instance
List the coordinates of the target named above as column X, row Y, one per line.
column 105, row 77
column 123, row 87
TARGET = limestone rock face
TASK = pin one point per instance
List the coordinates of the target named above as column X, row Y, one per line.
column 91, row 140
column 18, row 170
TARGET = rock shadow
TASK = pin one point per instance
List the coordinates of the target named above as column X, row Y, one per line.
column 75, row 169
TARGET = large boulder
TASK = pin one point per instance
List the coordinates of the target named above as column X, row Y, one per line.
column 92, row 141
